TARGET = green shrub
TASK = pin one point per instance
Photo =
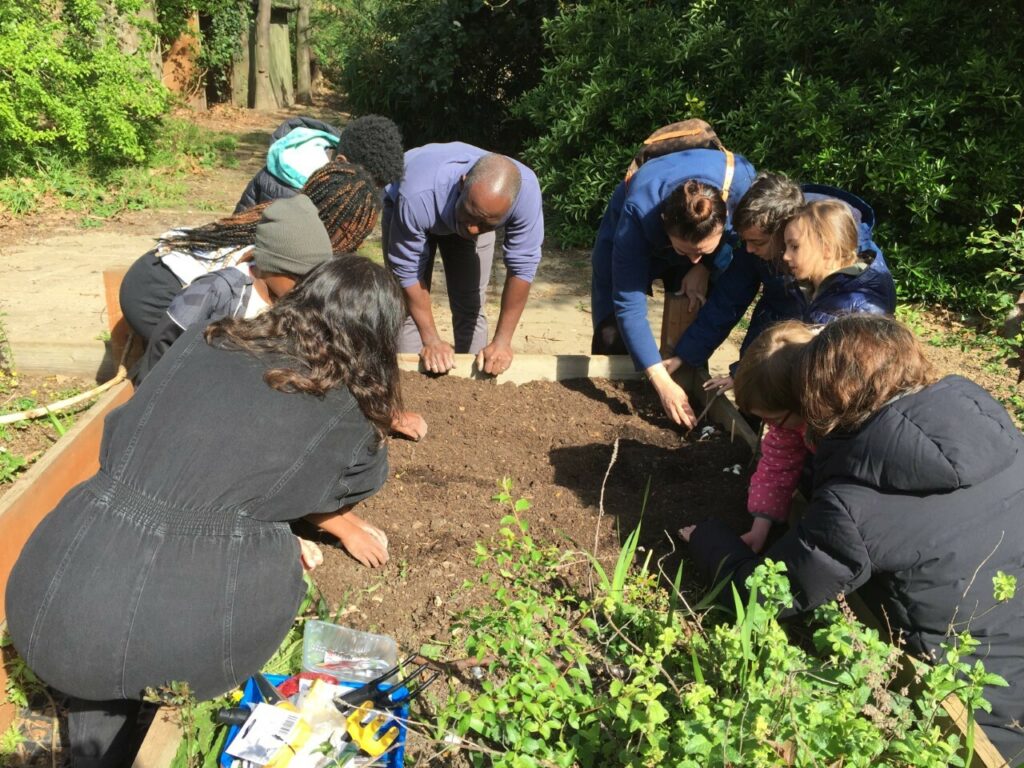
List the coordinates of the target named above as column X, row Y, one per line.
column 443, row 70
column 624, row 677
column 67, row 88
column 914, row 105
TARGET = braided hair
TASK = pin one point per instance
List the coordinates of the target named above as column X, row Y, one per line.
column 347, row 200
column 345, row 197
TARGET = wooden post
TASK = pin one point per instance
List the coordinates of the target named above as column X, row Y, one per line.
column 303, row 75
column 264, row 94
column 675, row 321
column 281, row 74
column 242, row 74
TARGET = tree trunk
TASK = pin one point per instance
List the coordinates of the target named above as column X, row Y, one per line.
column 303, row 89
column 264, row 99
column 281, row 75
column 242, row 70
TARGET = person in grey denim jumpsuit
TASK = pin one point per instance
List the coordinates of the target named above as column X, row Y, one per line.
column 175, row 562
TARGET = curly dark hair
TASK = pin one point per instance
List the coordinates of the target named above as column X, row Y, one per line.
column 340, row 326
column 375, row 143
column 346, row 199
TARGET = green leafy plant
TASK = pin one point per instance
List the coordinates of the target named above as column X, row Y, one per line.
column 635, row 678
column 462, row 64
column 69, row 88
column 11, row 465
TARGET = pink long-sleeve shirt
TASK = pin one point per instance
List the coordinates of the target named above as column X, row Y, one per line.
column 783, row 452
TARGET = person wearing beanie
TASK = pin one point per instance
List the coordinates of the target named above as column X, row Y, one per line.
column 347, row 202
column 290, row 241
column 303, row 143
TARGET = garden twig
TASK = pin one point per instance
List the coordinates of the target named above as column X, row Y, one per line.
column 600, row 505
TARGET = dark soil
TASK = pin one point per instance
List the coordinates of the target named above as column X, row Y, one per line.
column 555, row 441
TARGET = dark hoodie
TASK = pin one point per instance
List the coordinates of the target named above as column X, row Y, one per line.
column 925, row 501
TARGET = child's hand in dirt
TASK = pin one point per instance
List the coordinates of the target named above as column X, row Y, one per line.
column 410, row 425
column 718, row 384
column 309, row 554
column 758, row 533
column 358, row 540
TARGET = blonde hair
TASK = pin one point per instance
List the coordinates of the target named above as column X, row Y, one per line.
column 766, row 380
column 830, row 225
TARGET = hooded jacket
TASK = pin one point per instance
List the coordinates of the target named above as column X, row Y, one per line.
column 264, row 186
column 922, row 505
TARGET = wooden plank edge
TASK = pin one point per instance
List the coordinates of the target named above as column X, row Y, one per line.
column 162, row 740
column 527, row 368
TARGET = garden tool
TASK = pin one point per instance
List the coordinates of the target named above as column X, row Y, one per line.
column 371, row 725
column 707, row 407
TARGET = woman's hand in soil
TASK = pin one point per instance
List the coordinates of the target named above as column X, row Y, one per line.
column 438, row 356
column 365, row 543
column 686, row 532
column 410, row 425
column 758, row 533
column 673, row 398
column 495, row 358
column 360, row 543
column 695, row 286
column 309, row 554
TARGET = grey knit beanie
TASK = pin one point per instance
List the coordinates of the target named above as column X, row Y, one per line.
column 290, row 238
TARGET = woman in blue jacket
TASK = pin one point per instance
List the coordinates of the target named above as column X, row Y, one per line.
column 669, row 221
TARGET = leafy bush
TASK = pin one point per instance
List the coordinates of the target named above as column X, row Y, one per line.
column 443, row 70
column 914, row 105
column 67, row 88
column 626, row 678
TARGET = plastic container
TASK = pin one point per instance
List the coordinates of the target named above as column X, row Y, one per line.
column 394, row 758
column 345, row 653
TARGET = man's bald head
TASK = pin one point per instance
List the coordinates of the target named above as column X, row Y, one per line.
column 488, row 192
column 498, row 174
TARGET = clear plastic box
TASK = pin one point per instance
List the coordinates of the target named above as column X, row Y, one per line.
column 346, row 653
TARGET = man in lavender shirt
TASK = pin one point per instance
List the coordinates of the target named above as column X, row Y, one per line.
column 452, row 198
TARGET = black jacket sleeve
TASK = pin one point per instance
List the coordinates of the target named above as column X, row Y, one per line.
column 207, row 299
column 824, row 554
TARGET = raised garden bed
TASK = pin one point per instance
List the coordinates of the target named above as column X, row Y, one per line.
column 554, row 440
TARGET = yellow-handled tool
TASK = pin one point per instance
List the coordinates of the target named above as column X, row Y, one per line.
column 365, row 725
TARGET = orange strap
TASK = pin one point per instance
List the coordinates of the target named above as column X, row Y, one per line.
column 671, row 135
column 730, row 170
